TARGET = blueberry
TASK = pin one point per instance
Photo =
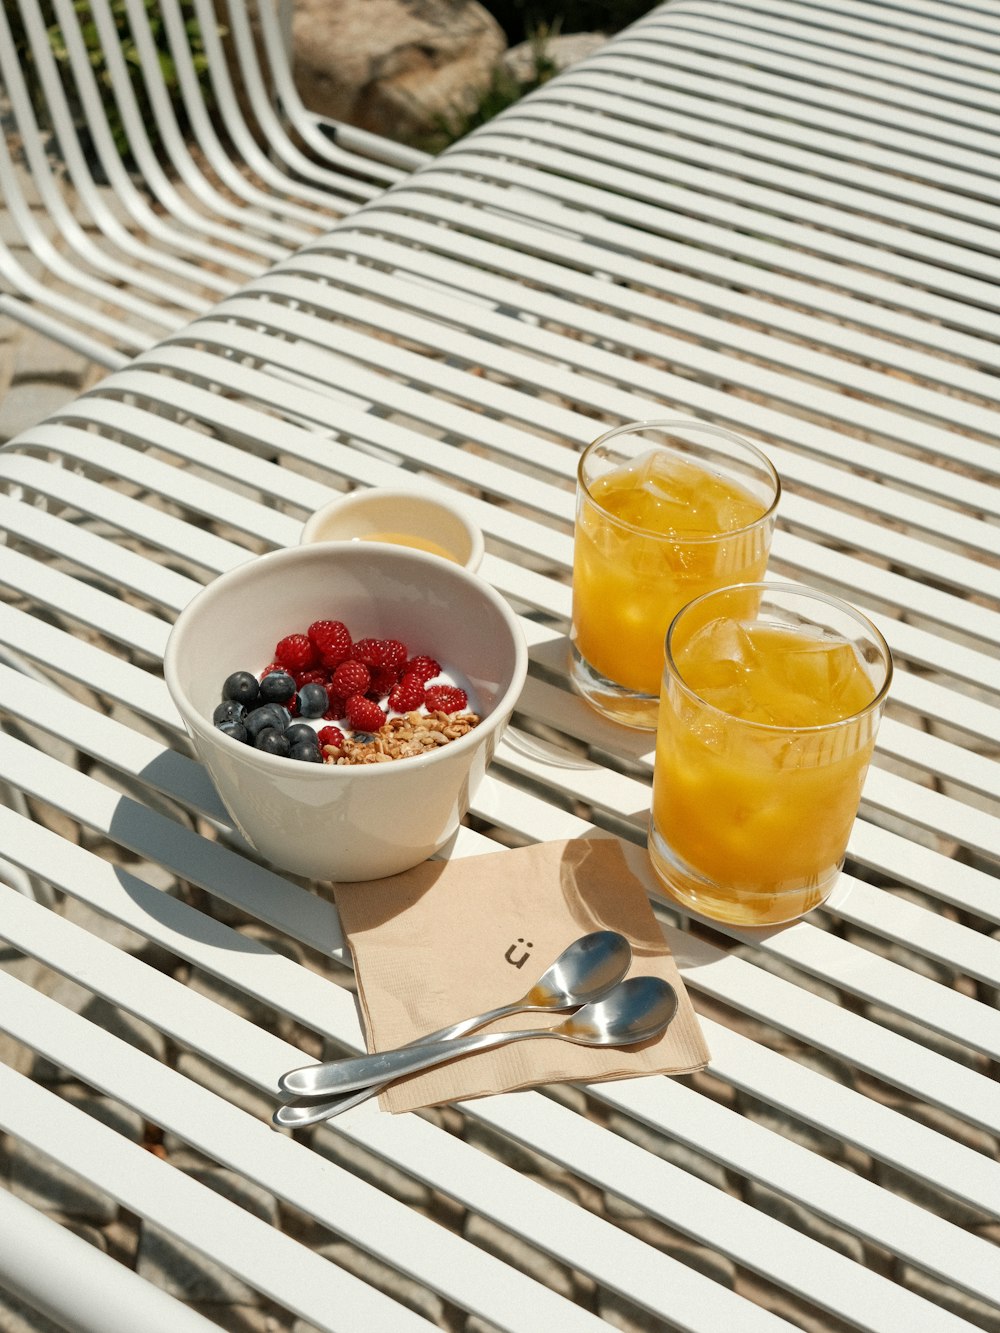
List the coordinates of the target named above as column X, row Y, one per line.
column 277, row 687
column 258, row 720
column 301, row 731
column 235, row 729
column 313, row 701
column 309, row 754
column 272, row 741
column 241, row 686
column 267, row 715
column 228, row 711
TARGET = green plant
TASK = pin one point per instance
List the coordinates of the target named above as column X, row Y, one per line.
column 94, row 46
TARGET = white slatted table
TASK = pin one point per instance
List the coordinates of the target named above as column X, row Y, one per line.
column 781, row 216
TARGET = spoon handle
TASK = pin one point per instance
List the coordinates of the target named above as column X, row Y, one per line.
column 309, row 1080
column 298, row 1114
column 359, row 1071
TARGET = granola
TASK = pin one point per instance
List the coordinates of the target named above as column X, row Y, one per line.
column 401, row 737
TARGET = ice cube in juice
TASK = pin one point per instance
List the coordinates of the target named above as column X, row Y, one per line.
column 648, row 541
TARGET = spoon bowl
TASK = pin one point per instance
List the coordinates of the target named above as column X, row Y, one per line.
column 583, row 972
column 633, row 1011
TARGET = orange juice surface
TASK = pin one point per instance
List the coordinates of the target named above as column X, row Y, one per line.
column 755, row 795
column 652, row 535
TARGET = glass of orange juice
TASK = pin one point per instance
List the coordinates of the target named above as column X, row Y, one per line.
column 666, row 510
column 771, row 699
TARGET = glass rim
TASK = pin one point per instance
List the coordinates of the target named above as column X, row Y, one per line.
column 684, row 539
column 799, row 589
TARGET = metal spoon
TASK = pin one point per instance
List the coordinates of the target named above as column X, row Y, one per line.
column 633, row 1011
column 584, row 971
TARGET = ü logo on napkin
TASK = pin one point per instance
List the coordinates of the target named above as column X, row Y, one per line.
column 525, row 952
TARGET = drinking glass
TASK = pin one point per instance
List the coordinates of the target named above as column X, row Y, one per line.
column 772, row 695
column 666, row 510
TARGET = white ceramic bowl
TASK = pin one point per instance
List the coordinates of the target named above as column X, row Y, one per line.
column 335, row 822
column 395, row 515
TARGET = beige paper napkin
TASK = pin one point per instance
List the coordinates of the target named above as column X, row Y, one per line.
column 449, row 939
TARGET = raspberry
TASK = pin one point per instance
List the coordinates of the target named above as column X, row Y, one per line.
column 330, row 736
column 383, row 678
column 394, row 654
column 446, row 699
column 351, row 677
column 332, row 640
column 268, row 670
column 363, row 714
column 315, row 676
column 408, row 695
column 296, row 653
column 337, row 708
column 424, row 667
column 324, row 632
column 368, row 651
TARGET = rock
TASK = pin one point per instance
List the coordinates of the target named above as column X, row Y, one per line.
column 395, row 67
column 554, row 53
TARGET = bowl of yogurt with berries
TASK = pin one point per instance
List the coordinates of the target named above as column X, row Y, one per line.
column 346, row 699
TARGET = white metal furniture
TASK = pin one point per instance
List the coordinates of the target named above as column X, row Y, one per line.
column 780, row 216
column 143, row 208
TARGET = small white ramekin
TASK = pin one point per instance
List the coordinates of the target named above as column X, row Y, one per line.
column 439, row 525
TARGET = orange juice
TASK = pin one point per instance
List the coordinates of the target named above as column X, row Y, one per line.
column 651, row 535
column 764, row 738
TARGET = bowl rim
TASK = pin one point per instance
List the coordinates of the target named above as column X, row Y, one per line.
column 245, row 571
column 366, row 495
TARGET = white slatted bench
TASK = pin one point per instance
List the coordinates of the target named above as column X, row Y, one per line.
column 106, row 250
column 778, row 216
